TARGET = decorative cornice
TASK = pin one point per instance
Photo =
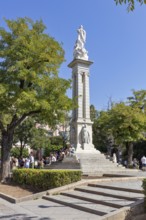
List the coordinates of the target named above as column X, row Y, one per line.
column 79, row 61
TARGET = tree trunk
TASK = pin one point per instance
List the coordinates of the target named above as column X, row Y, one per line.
column 21, row 149
column 130, row 153
column 6, row 143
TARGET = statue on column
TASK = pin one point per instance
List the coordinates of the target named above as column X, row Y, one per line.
column 79, row 49
column 85, row 135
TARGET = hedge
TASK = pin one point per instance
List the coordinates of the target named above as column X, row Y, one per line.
column 144, row 187
column 45, row 179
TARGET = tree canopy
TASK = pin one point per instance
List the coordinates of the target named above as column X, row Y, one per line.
column 131, row 3
column 29, row 80
column 125, row 123
column 93, row 112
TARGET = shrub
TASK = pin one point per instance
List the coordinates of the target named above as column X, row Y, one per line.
column 45, row 179
column 144, row 187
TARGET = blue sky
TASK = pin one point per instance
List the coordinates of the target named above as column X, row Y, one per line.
column 116, row 41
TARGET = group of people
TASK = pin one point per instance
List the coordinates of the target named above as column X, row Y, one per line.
column 21, row 162
column 31, row 162
column 116, row 155
column 137, row 164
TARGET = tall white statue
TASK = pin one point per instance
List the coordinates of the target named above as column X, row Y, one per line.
column 79, row 50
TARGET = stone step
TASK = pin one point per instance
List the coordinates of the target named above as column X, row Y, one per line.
column 98, row 199
column 102, row 162
column 83, row 205
column 104, row 171
column 106, row 174
column 116, row 188
column 93, row 164
column 111, row 193
column 102, row 166
column 134, row 184
column 95, row 157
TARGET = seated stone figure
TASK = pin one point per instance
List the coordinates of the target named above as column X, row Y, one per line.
column 85, row 135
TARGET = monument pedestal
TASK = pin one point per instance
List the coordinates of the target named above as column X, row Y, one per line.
column 88, row 147
column 93, row 163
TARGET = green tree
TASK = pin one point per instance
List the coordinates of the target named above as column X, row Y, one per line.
column 51, row 149
column 93, row 113
column 28, row 133
column 56, row 140
column 131, row 3
column 15, row 152
column 23, row 135
column 127, row 125
column 29, row 81
column 138, row 99
column 39, row 138
column 101, row 131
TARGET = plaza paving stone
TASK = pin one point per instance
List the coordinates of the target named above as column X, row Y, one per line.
column 42, row 209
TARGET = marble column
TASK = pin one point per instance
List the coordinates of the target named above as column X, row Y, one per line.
column 81, row 125
column 81, row 115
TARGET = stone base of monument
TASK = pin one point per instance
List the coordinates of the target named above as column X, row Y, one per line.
column 93, row 163
column 69, row 162
column 89, row 148
column 86, row 148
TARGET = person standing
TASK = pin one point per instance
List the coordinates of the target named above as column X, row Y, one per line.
column 114, row 158
column 27, row 163
column 143, row 161
column 31, row 158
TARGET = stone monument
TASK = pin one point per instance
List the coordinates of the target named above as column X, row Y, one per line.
column 86, row 157
column 81, row 125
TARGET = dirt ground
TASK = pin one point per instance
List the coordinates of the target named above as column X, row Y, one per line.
column 15, row 191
